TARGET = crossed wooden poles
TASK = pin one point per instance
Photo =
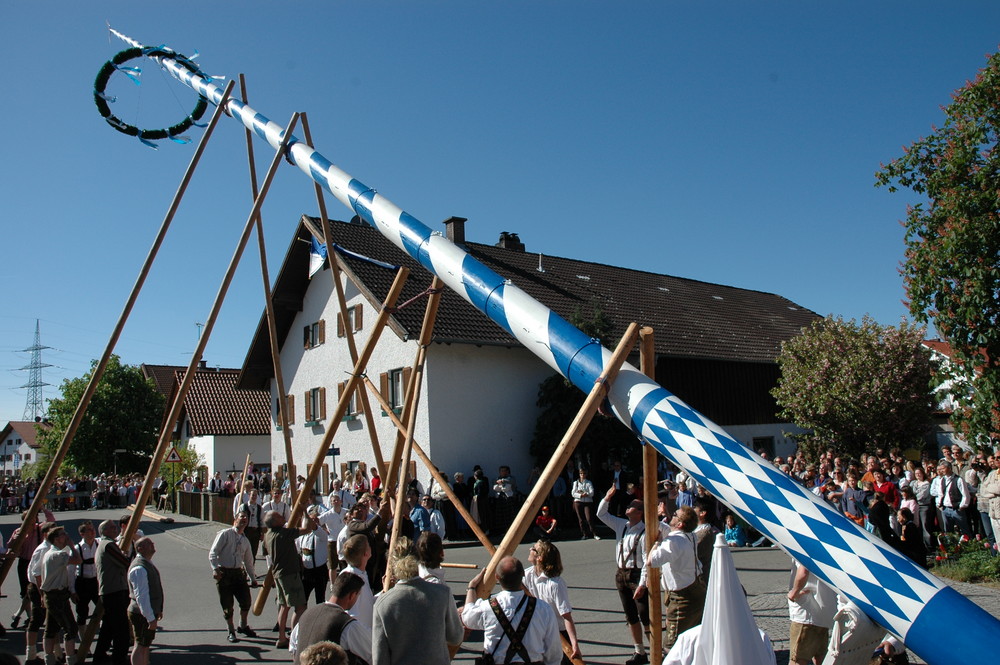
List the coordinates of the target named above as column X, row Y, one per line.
column 358, row 384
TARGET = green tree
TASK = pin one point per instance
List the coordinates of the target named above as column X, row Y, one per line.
column 560, row 401
column 952, row 262
column 124, row 414
column 856, row 387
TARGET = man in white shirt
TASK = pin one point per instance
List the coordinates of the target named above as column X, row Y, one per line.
column 277, row 504
column 437, row 519
column 255, row 520
column 347, row 498
column 84, row 583
column 313, row 549
column 232, row 565
column 677, row 553
column 630, row 578
column 541, row 642
column 356, row 552
column 332, row 621
column 334, row 520
column 55, row 589
column 951, row 495
column 146, row 593
column 812, row 604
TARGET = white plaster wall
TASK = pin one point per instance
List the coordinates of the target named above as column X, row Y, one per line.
column 481, row 403
column 330, row 364
column 224, row 453
column 783, row 445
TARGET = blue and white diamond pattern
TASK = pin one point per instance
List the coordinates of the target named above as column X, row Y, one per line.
column 887, row 586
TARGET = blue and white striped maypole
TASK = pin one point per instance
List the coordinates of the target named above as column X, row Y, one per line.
column 890, row 588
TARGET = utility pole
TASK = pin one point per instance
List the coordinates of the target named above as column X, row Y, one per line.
column 35, row 407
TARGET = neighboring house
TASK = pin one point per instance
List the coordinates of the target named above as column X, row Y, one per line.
column 716, row 347
column 17, row 446
column 943, row 432
column 217, row 421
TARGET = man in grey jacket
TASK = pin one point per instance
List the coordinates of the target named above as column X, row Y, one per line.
column 415, row 621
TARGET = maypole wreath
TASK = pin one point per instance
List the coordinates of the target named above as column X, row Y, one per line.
column 116, row 64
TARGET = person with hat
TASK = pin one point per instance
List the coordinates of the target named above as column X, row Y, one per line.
column 630, row 577
column 55, row 580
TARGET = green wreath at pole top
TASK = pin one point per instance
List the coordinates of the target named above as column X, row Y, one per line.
column 109, row 68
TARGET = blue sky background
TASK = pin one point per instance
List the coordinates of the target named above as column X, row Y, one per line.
column 731, row 142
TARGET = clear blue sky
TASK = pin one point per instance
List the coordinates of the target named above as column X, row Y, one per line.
column 731, row 142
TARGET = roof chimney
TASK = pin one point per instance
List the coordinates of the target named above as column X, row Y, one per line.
column 510, row 241
column 455, row 229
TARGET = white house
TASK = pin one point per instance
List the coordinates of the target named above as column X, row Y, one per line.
column 220, row 423
column 715, row 348
column 17, row 446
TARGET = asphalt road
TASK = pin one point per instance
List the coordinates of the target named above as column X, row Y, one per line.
column 193, row 623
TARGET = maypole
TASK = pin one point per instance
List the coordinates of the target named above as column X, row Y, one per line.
column 891, row 589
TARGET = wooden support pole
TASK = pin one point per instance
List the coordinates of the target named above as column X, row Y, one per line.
column 189, row 375
column 272, row 326
column 334, row 261
column 32, row 514
column 331, row 427
column 437, row 475
column 526, row 516
column 647, row 363
column 410, row 410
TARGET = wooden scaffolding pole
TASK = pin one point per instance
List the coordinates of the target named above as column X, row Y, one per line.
column 334, row 261
column 88, row 634
column 410, row 411
column 272, row 326
column 437, row 475
column 334, row 422
column 526, row 516
column 189, row 375
column 31, row 515
column 647, row 363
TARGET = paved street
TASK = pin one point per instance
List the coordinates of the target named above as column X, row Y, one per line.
column 193, row 623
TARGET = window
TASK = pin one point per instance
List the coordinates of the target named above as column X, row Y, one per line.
column 314, row 334
column 354, row 407
column 27, row 457
column 322, row 484
column 315, row 406
column 289, row 412
column 354, row 316
column 393, row 387
column 764, row 444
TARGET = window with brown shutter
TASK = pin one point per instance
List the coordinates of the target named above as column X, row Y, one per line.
column 357, row 317
column 359, row 404
column 290, row 411
column 309, row 409
column 322, row 404
column 340, row 326
column 307, row 337
column 322, row 331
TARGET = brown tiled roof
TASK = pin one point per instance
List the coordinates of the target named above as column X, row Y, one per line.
column 691, row 319
column 215, row 406
column 24, row 428
column 162, row 376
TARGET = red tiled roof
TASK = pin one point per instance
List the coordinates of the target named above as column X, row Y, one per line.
column 162, row 376
column 691, row 319
column 215, row 406
column 24, row 428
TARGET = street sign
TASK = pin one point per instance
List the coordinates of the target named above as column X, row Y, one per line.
column 172, row 457
column 333, row 452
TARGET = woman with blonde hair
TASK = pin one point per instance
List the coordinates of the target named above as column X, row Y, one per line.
column 360, row 481
column 544, row 581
